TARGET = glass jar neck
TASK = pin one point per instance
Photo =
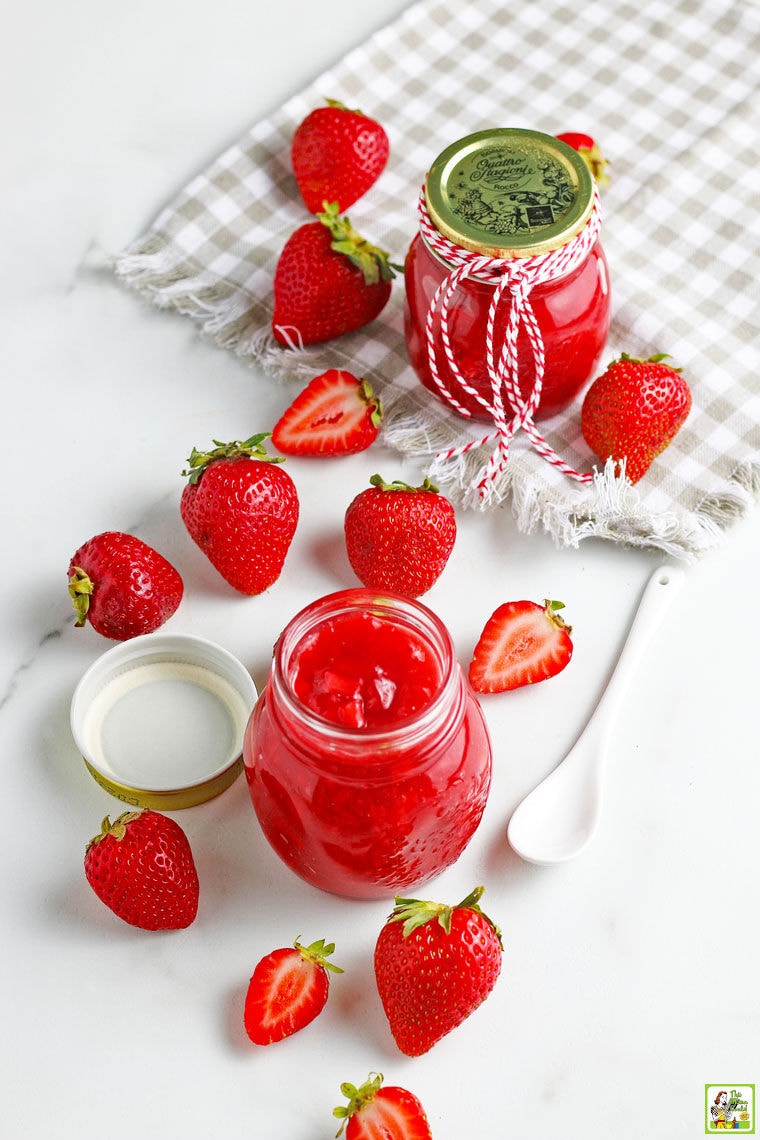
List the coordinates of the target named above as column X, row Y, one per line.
column 448, row 266
column 336, row 747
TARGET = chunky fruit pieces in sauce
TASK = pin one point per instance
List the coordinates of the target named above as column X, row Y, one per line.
column 360, row 671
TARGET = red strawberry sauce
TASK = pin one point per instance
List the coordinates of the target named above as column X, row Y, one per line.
column 518, row 206
column 363, row 671
column 573, row 314
column 367, row 756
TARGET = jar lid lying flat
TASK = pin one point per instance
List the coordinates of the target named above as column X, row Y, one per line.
column 509, row 192
column 160, row 719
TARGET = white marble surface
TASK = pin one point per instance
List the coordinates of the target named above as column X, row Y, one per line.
column 629, row 976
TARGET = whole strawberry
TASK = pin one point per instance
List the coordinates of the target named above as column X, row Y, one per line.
column 377, row 1112
column 142, row 868
column 588, row 149
column 633, row 410
column 241, row 509
column 434, row 965
column 337, row 154
column 399, row 537
column 329, row 281
column 122, row 586
column 288, row 989
column 335, row 414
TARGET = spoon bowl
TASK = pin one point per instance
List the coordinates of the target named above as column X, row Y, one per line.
column 558, row 819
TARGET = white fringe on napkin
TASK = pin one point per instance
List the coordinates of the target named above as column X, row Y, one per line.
column 609, row 508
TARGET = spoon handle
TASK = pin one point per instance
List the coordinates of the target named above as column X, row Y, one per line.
column 658, row 593
column 557, row 820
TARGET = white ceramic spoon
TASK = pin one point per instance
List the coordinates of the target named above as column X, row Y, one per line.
column 557, row 820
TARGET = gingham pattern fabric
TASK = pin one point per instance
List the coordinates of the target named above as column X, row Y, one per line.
column 670, row 89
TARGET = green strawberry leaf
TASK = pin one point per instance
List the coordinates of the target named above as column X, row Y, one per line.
column 249, row 448
column 372, row 261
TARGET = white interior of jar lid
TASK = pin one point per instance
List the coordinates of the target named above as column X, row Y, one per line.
column 162, row 712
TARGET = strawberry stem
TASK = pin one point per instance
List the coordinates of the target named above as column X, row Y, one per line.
column 80, row 591
column 656, row 358
column 596, row 163
column 416, row 912
column 369, row 259
column 238, row 449
column 374, row 404
column 318, row 952
column 552, row 612
column 358, row 1098
column 399, row 485
column 472, row 900
column 471, row 903
column 336, row 103
column 117, row 829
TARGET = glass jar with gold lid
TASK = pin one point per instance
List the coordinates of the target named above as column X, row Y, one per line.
column 507, row 285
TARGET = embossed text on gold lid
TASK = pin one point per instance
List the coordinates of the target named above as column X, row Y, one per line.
column 509, row 192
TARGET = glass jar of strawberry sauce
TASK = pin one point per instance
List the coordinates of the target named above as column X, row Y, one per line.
column 521, row 207
column 367, row 756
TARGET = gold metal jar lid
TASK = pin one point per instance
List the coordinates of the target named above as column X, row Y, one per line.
column 508, row 192
column 160, row 719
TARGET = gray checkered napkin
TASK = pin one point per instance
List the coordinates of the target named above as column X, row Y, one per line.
column 671, row 91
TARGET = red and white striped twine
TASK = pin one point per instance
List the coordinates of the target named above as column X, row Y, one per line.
column 514, row 277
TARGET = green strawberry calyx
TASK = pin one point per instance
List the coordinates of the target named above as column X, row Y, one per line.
column 399, row 485
column 414, row 913
column 80, row 591
column 596, row 163
column 373, row 402
column 369, row 259
column 250, row 448
column 117, row 830
column 318, row 952
column 358, row 1098
column 552, row 608
column 337, row 105
column 657, row 358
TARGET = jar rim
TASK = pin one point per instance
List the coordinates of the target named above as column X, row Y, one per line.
column 447, row 265
column 403, row 611
column 509, row 192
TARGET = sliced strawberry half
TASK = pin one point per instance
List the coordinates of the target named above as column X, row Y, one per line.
column 377, row 1113
column 522, row 643
column 335, row 414
column 288, row 989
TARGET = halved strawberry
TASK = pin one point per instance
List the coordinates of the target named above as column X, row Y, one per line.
column 377, row 1113
column 288, row 990
column 522, row 643
column 335, row 414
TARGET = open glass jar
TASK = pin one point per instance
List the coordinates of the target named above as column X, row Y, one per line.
column 367, row 755
column 507, row 202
